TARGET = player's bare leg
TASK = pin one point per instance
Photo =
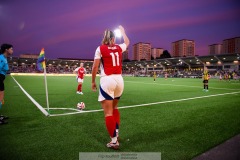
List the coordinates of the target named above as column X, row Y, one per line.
column 1, row 98
column 2, row 117
column 206, row 87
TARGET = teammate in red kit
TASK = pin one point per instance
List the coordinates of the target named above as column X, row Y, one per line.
column 80, row 71
column 109, row 57
column 166, row 75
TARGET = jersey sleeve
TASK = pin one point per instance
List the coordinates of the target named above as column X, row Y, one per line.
column 76, row 69
column 1, row 64
column 123, row 46
column 97, row 53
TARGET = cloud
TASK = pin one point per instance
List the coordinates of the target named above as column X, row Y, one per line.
column 189, row 21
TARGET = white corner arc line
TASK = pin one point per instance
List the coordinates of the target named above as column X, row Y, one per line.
column 34, row 102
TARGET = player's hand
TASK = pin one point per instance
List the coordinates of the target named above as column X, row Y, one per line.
column 121, row 29
column 94, row 87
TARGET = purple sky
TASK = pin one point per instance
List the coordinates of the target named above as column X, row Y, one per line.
column 74, row 28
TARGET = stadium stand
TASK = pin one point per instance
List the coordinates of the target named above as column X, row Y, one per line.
column 28, row 65
column 190, row 67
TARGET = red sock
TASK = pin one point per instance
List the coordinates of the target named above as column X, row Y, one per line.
column 80, row 88
column 116, row 116
column 111, row 125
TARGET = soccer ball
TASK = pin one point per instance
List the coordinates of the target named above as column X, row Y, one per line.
column 80, row 106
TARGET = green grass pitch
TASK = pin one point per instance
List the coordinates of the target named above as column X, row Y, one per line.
column 178, row 129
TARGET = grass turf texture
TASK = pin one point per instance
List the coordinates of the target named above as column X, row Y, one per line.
column 179, row 130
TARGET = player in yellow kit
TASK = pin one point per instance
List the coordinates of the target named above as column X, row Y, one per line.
column 205, row 79
column 154, row 76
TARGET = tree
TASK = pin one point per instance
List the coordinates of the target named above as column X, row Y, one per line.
column 165, row 54
column 126, row 60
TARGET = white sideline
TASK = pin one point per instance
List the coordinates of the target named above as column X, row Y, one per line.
column 34, row 102
column 179, row 100
column 148, row 104
column 183, row 85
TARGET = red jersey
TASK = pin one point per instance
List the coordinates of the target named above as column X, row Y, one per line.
column 80, row 71
column 111, row 58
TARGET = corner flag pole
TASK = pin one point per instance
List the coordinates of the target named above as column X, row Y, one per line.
column 45, row 81
column 41, row 65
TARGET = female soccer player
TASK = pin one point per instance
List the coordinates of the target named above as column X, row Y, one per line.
column 109, row 57
column 205, row 79
column 80, row 71
column 6, row 50
column 166, row 75
column 154, row 76
column 220, row 77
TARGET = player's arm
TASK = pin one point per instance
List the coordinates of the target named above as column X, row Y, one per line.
column 95, row 67
column 125, row 38
column 75, row 71
column 94, row 73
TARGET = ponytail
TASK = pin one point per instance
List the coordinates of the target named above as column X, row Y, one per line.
column 107, row 38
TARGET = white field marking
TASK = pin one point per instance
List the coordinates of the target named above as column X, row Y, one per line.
column 132, row 106
column 33, row 100
column 41, row 108
column 148, row 104
column 63, row 114
column 184, row 85
column 72, row 109
column 79, row 111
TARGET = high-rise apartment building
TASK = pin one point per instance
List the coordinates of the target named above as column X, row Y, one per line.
column 231, row 45
column 125, row 54
column 214, row 49
column 183, row 48
column 156, row 52
column 142, row 51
